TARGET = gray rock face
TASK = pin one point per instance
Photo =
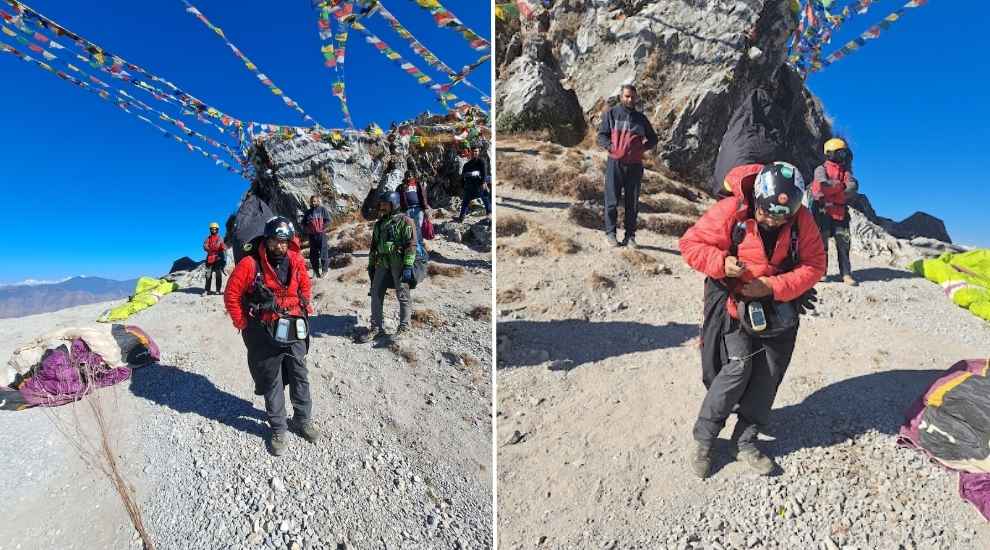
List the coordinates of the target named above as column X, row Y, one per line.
column 692, row 62
column 923, row 225
column 535, row 100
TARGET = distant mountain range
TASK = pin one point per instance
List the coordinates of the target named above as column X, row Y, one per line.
column 32, row 297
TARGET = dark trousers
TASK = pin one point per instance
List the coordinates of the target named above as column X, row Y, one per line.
column 295, row 370
column 622, row 181
column 216, row 268
column 273, row 367
column 839, row 230
column 751, row 371
column 317, row 247
column 474, row 191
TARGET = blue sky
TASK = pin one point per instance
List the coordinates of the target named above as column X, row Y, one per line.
column 914, row 105
column 89, row 189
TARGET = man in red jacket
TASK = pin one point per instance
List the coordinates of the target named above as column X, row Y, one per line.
column 758, row 246
column 832, row 187
column 268, row 300
column 215, row 260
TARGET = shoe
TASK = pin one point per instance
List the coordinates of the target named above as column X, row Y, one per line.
column 280, row 443
column 848, row 279
column 701, row 460
column 612, row 241
column 759, row 462
column 631, row 243
column 374, row 333
column 401, row 332
column 306, row 429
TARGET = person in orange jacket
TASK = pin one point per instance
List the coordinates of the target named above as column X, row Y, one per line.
column 268, row 299
column 215, row 259
column 758, row 246
column 833, row 186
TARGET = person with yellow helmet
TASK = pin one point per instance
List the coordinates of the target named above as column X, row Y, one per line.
column 215, row 258
column 831, row 189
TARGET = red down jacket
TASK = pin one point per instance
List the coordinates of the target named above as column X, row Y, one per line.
column 706, row 245
column 287, row 297
column 831, row 198
column 213, row 245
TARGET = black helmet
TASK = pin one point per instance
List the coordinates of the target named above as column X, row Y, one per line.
column 280, row 228
column 779, row 189
column 391, row 198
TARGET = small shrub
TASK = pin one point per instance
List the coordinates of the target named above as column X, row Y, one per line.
column 509, row 296
column 481, row 313
column 600, row 282
column 510, row 226
column 445, row 271
column 426, row 318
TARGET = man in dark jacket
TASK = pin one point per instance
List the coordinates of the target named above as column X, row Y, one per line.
column 268, row 299
column 315, row 221
column 474, row 178
column 625, row 133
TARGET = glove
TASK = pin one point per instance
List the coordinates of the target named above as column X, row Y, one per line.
column 806, row 302
column 407, row 275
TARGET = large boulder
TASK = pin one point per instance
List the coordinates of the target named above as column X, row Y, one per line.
column 921, row 224
column 693, row 63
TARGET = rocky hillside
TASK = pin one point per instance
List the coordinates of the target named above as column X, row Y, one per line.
column 599, row 381
column 406, row 458
column 21, row 300
column 693, row 62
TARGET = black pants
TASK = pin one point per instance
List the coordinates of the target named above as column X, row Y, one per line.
column 839, row 230
column 272, row 368
column 622, row 181
column 216, row 268
column 474, row 191
column 317, row 246
column 746, row 379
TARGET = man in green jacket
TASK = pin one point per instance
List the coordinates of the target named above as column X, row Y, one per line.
column 390, row 264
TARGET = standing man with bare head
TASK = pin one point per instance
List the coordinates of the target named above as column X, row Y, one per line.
column 626, row 134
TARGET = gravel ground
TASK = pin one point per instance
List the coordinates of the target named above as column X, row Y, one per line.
column 405, row 461
column 599, row 383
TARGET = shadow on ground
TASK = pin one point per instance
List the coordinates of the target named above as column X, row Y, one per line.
column 882, row 274
column 188, row 392
column 571, row 343
column 439, row 258
column 332, row 325
column 519, row 203
column 848, row 409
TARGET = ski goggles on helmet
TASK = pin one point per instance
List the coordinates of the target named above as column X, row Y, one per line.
column 283, row 232
column 778, row 211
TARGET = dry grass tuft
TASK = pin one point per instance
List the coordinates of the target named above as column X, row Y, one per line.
column 406, row 354
column 600, row 282
column 654, row 183
column 556, row 243
column 338, row 261
column 674, row 226
column 527, row 251
column 354, row 276
column 666, row 204
column 586, row 216
column 550, row 148
column 446, row 271
column 509, row 296
column 422, row 318
column 481, row 313
column 352, row 240
column 511, row 225
column 469, row 360
column 354, row 216
column 644, row 262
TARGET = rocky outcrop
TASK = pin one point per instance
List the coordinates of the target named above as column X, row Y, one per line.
column 692, row 61
column 921, row 225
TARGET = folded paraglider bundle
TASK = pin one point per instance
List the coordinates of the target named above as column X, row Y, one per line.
column 965, row 277
column 68, row 364
column 147, row 292
column 950, row 423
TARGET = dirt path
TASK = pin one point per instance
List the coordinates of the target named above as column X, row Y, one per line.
column 599, row 383
column 405, row 462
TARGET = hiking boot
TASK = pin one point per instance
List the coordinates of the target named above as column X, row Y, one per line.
column 612, row 241
column 374, row 333
column 402, row 332
column 280, row 443
column 701, row 460
column 755, row 459
column 848, row 279
column 306, row 429
column 631, row 243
